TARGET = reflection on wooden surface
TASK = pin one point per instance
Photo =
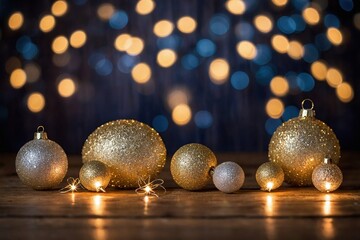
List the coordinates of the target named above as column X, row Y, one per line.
column 287, row 212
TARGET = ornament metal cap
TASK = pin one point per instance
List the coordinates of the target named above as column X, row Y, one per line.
column 307, row 112
column 328, row 160
column 40, row 133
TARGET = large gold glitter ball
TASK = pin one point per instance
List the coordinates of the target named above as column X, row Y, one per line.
column 132, row 151
column 41, row 163
column 301, row 144
column 191, row 165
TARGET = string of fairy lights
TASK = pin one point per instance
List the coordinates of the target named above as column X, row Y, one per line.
column 280, row 30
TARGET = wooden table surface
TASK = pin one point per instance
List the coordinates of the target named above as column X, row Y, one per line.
column 288, row 213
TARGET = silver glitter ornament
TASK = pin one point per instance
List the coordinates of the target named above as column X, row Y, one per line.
column 228, row 177
column 327, row 177
column 132, row 151
column 191, row 165
column 301, row 144
column 94, row 176
column 269, row 176
column 41, row 163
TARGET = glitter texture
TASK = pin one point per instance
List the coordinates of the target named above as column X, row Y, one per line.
column 132, row 150
column 299, row 145
column 327, row 177
column 228, row 177
column 41, row 164
column 190, row 166
column 269, row 173
column 93, row 175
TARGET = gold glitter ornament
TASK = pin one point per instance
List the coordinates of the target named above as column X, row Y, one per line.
column 94, row 176
column 269, row 176
column 191, row 165
column 132, row 150
column 327, row 177
column 301, row 144
column 41, row 163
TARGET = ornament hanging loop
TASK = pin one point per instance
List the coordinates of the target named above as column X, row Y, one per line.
column 40, row 133
column 328, row 160
column 307, row 112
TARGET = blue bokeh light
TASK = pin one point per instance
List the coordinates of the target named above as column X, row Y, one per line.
column 160, row 123
column 271, row 125
column 26, row 47
column 290, row 112
column 244, row 31
column 219, row 24
column 190, row 61
column 94, row 58
column 322, row 42
column 264, row 75
column 203, row 119
column 292, row 80
column 347, row 5
column 126, row 62
column 171, row 42
column 206, row 47
column 239, row 80
column 104, row 67
column 305, row 82
column 286, row 25
column 118, row 20
column 300, row 24
column 311, row 53
column 264, row 54
column 300, row 4
column 330, row 20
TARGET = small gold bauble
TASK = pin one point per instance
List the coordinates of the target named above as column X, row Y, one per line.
column 94, row 176
column 269, row 176
column 132, row 150
column 41, row 163
column 327, row 177
column 301, row 144
column 190, row 166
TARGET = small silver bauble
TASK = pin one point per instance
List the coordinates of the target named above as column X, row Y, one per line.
column 228, row 177
column 41, row 163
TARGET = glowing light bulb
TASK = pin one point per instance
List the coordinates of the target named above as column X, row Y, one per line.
column 327, row 186
column 269, row 186
column 147, row 189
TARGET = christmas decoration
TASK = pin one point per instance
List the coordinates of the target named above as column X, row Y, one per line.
column 148, row 187
column 131, row 149
column 300, row 144
column 190, row 166
column 41, row 163
column 94, row 176
column 73, row 185
column 327, row 177
column 228, row 177
column 269, row 176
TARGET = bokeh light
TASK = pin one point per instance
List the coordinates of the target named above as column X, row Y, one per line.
column 177, row 97
column 334, row 77
column 144, row 7
column 166, row 58
column 66, row 87
column 135, row 46
column 274, row 108
column 36, row 102
column 181, row 114
column 33, row 72
column 345, row 92
column 141, row 73
column 279, row 86
column 47, row 23
column 311, row 16
column 280, row 43
column 279, row 3
column 263, row 23
column 105, row 11
column 12, row 63
column 203, row 119
column 18, row 78
column 334, row 35
column 357, row 21
column 118, row 20
column 205, row 47
column 160, row 123
column 16, row 20
column 246, row 49
column 239, row 80
column 186, row 24
column 60, row 44
column 59, row 8
column 219, row 24
column 219, row 71
column 122, row 42
column 78, row 39
column 236, row 7
column 295, row 50
column 163, row 28
column 319, row 70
